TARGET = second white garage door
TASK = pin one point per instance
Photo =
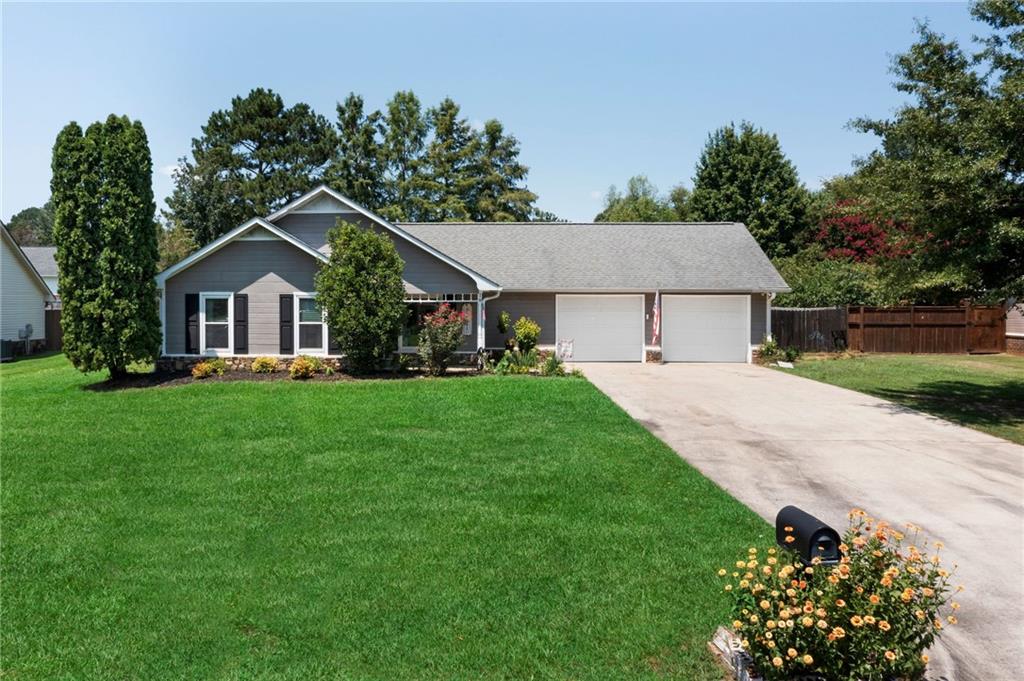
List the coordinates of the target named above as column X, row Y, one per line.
column 705, row 328
column 602, row 328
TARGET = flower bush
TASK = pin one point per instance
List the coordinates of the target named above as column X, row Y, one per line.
column 869, row 618
column 527, row 334
column 440, row 338
column 263, row 365
column 304, row 366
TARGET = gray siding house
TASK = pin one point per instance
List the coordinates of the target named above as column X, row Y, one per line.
column 595, row 289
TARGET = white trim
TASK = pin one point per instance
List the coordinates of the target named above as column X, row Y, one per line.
column 217, row 244
column 643, row 316
column 768, row 314
column 482, row 282
column 163, row 321
column 216, row 295
column 611, row 291
column 746, row 334
column 296, row 297
column 1013, row 334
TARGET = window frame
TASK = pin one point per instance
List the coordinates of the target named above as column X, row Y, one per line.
column 217, row 295
column 322, row 350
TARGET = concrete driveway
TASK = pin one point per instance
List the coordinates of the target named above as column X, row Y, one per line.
column 773, row 439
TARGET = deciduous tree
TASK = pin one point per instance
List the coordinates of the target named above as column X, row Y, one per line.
column 33, row 226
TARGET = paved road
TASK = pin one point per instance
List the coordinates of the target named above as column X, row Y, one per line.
column 773, row 439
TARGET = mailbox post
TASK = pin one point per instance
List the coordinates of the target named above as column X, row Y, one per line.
column 809, row 537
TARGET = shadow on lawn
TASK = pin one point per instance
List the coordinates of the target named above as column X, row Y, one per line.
column 970, row 404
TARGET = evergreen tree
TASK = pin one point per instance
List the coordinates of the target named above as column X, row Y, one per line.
column 33, row 226
column 743, row 176
column 174, row 243
column 448, row 181
column 249, row 161
column 106, row 244
column 361, row 292
column 356, row 170
column 405, row 139
column 498, row 182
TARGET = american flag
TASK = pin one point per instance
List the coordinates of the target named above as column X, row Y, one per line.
column 656, row 318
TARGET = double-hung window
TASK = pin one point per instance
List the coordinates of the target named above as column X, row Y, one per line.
column 310, row 329
column 215, row 328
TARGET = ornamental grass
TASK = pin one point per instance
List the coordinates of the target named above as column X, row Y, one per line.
column 871, row 617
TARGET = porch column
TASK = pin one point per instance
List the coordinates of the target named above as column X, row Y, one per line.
column 481, row 323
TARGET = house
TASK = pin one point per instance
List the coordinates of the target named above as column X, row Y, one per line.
column 1015, row 329
column 44, row 259
column 23, row 299
column 591, row 287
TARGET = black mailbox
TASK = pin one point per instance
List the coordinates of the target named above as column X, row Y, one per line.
column 806, row 535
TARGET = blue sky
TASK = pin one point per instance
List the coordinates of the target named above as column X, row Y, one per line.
column 594, row 92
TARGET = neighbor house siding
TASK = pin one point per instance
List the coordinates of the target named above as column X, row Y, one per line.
column 262, row 269
column 22, row 300
column 424, row 273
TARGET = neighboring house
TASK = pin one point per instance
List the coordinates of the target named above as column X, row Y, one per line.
column 23, row 299
column 591, row 287
column 1015, row 329
column 44, row 259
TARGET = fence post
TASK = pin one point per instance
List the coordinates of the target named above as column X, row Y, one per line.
column 913, row 334
column 968, row 328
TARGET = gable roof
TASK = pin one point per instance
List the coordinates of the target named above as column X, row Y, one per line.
column 706, row 256
column 484, row 283
column 33, row 273
column 43, row 258
column 219, row 243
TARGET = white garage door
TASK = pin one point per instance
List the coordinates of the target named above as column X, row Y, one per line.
column 705, row 328
column 602, row 328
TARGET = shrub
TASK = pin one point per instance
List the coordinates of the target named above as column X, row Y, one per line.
column 263, row 365
column 303, row 367
column 440, row 338
column 552, row 366
column 202, row 370
column 770, row 348
column 869, row 618
column 504, row 322
column 517, row 362
column 219, row 366
column 527, row 334
column 792, row 354
column 361, row 292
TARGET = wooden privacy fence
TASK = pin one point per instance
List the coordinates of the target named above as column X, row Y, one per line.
column 54, row 337
column 810, row 329
column 927, row 329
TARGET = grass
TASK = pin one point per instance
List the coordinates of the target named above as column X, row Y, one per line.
column 985, row 392
column 472, row 528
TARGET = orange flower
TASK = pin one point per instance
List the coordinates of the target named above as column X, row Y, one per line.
column 884, row 626
column 875, row 600
column 839, row 632
column 857, row 620
column 889, row 655
column 840, row 603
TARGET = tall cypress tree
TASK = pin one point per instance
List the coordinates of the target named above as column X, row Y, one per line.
column 106, row 245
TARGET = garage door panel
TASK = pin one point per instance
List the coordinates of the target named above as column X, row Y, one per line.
column 705, row 328
column 602, row 328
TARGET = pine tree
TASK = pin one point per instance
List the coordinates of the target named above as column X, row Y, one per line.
column 356, row 170
column 448, row 180
column 498, row 190
column 404, row 141
column 106, row 245
column 743, row 176
column 249, row 161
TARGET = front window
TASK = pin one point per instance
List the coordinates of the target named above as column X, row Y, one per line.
column 414, row 313
column 216, row 322
column 311, row 325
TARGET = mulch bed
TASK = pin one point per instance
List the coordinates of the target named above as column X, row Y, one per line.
column 166, row 379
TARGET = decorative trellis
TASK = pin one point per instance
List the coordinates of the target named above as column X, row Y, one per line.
column 441, row 297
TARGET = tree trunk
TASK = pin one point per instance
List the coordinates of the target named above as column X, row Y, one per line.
column 117, row 373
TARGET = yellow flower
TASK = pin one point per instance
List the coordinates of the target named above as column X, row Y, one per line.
column 889, row 655
column 770, row 624
column 753, row 619
column 833, row 579
column 951, row 619
column 822, row 624
column 728, row 587
column 790, row 539
column 868, row 619
column 807, row 621
column 919, row 614
column 771, row 551
column 766, row 570
column 839, row 632
column 857, row 620
column 791, row 653
column 884, row 626
column 752, row 550
column 765, row 605
column 740, row 564
column 736, row 624
column 808, row 659
column 773, row 560
column 840, row 603
column 721, row 572
column 924, row 658
column 777, row 661
column 928, row 592
column 954, row 605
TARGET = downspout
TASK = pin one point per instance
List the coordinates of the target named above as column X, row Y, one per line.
column 769, row 297
column 482, row 323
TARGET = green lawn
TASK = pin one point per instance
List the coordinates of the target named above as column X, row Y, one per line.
column 472, row 528
column 980, row 391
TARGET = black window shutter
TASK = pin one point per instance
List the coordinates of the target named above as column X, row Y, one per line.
column 287, row 332
column 241, row 324
column 191, row 323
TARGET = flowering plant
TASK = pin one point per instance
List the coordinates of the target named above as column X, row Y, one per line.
column 868, row 618
column 440, row 337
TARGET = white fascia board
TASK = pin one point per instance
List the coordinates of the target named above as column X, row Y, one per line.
column 219, row 243
column 33, row 273
column 482, row 282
